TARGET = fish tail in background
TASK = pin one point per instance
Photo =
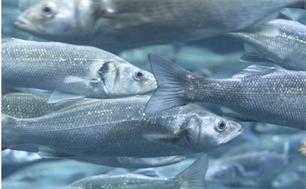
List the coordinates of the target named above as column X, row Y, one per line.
column 171, row 80
column 6, row 122
column 286, row 151
column 195, row 173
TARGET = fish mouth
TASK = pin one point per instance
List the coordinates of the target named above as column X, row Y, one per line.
column 23, row 24
column 233, row 135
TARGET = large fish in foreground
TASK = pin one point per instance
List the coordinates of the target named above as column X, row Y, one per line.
column 258, row 93
column 88, row 129
column 191, row 178
column 117, row 23
column 25, row 105
column 288, row 49
column 71, row 71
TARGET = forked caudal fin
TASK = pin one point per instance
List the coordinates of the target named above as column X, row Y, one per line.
column 171, row 80
column 195, row 173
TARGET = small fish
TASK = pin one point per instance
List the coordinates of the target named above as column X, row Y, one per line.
column 71, row 71
column 118, row 23
column 286, row 49
column 258, row 93
column 302, row 150
column 88, row 129
column 191, row 178
column 252, row 169
column 51, row 174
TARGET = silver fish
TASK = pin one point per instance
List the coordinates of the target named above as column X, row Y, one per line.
column 25, row 105
column 191, row 178
column 88, row 129
column 286, row 49
column 259, row 93
column 76, row 70
column 251, row 169
column 111, row 23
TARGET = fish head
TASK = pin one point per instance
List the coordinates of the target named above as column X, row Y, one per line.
column 203, row 130
column 215, row 130
column 124, row 79
column 52, row 20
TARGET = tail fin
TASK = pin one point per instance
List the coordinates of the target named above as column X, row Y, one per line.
column 286, row 151
column 195, row 173
column 171, row 80
column 6, row 122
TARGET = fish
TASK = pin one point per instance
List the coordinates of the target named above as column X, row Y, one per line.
column 71, row 71
column 51, row 174
column 286, row 49
column 117, row 23
column 302, row 149
column 191, row 178
column 251, row 169
column 88, row 129
column 25, row 105
column 258, row 93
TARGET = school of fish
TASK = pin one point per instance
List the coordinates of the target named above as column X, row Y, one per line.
column 78, row 94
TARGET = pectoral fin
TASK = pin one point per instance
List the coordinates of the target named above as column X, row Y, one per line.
column 57, row 96
column 46, row 152
column 74, row 79
column 168, row 140
column 120, row 21
column 252, row 55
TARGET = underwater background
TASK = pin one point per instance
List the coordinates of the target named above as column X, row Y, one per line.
column 214, row 57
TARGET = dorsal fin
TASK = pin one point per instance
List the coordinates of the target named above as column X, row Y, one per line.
column 282, row 16
column 253, row 69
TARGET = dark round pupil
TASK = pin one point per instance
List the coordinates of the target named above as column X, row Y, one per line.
column 47, row 9
column 139, row 74
column 221, row 125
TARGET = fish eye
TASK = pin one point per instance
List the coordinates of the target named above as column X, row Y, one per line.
column 221, row 126
column 138, row 75
column 48, row 10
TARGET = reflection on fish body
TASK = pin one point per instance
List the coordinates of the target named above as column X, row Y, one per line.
column 88, row 129
column 287, row 49
column 252, row 169
column 24, row 105
column 79, row 70
column 135, row 23
column 191, row 178
column 259, row 93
